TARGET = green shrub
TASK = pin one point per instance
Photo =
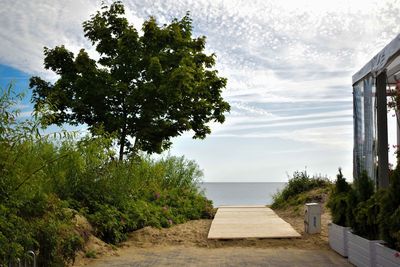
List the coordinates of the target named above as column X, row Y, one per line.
column 50, row 232
column 352, row 202
column 15, row 234
column 139, row 193
column 356, row 206
column 30, row 218
column 298, row 184
column 58, row 241
column 365, row 221
column 339, row 201
column 91, row 254
column 389, row 217
column 363, row 207
column 338, row 205
column 364, row 187
column 341, row 185
column 109, row 223
column 45, row 181
column 371, row 215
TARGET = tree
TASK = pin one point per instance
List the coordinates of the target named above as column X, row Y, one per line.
column 149, row 87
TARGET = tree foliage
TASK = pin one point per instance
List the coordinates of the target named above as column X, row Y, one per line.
column 150, row 87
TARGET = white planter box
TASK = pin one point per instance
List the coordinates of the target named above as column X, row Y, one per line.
column 386, row 257
column 338, row 238
column 362, row 252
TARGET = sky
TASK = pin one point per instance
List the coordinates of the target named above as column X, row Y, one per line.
column 288, row 64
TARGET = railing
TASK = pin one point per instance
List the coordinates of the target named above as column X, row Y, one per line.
column 28, row 261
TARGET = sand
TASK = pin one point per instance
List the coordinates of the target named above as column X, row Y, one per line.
column 193, row 234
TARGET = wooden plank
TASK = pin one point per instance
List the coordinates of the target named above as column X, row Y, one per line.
column 249, row 222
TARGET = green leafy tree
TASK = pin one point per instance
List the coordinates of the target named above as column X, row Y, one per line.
column 149, row 87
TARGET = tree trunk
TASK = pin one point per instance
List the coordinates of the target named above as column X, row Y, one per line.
column 135, row 147
column 122, row 144
column 123, row 132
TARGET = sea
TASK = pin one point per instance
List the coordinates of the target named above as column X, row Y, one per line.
column 241, row 193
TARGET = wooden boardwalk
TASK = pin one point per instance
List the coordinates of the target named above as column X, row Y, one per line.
column 235, row 222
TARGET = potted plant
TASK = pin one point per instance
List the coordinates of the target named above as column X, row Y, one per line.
column 338, row 204
column 363, row 220
column 388, row 254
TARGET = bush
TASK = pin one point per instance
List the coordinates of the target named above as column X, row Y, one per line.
column 116, row 197
column 49, row 231
column 365, row 221
column 15, row 234
column 364, row 208
column 45, row 181
column 356, row 206
column 120, row 197
column 30, row 218
column 298, row 184
column 364, row 187
column 109, row 223
column 389, row 217
column 339, row 201
column 371, row 215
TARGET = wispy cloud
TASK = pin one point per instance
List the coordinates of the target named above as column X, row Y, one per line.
column 288, row 63
column 337, row 137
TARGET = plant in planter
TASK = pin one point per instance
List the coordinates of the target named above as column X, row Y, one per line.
column 389, row 223
column 389, row 216
column 363, row 220
column 370, row 216
column 363, row 217
column 356, row 209
column 375, row 215
column 338, row 201
column 338, row 204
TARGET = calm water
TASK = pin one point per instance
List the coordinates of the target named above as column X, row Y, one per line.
column 241, row 193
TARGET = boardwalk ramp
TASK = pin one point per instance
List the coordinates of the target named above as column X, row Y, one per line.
column 238, row 222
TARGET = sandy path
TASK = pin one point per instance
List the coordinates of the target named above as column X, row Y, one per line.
column 194, row 256
column 187, row 245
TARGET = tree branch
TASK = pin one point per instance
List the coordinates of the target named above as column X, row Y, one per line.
column 37, row 170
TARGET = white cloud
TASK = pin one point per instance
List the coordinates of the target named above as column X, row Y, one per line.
column 296, row 54
column 28, row 26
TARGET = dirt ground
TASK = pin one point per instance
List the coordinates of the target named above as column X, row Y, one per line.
column 230, row 256
column 193, row 234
